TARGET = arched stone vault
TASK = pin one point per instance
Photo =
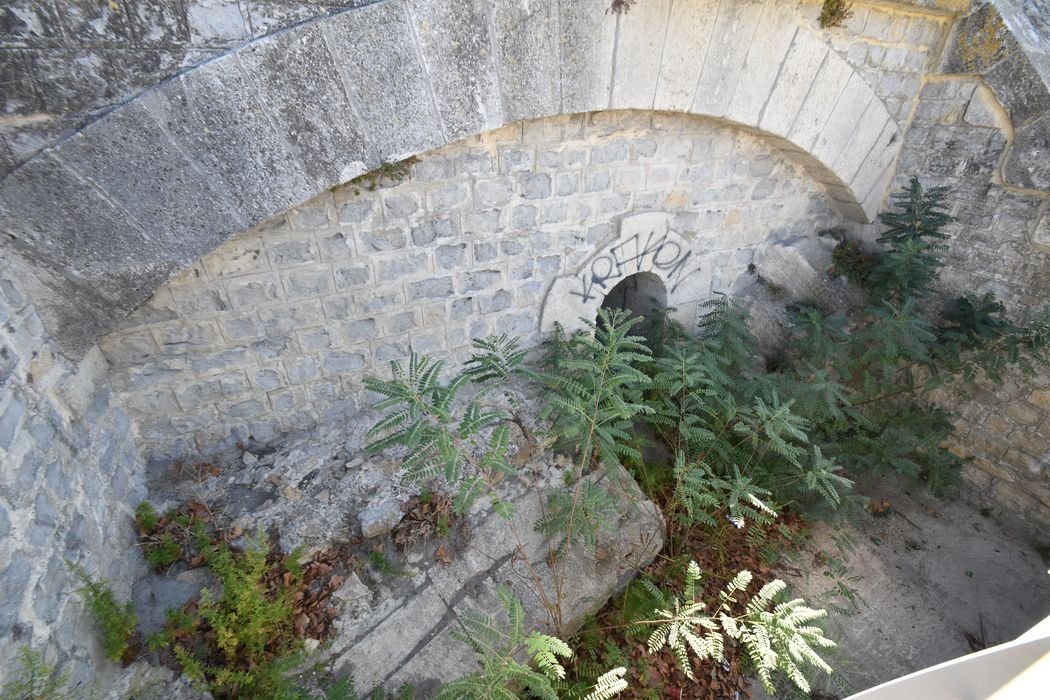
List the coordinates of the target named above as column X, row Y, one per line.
column 111, row 213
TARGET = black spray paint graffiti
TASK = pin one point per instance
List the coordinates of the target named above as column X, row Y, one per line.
column 667, row 256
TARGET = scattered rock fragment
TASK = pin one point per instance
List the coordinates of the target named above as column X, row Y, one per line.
column 379, row 518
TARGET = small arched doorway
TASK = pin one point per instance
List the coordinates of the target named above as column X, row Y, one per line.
column 639, row 293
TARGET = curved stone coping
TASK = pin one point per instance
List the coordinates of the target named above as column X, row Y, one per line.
column 126, row 203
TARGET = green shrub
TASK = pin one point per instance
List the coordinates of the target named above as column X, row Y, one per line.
column 164, row 552
column 118, row 622
column 248, row 630
column 146, row 518
column 35, row 679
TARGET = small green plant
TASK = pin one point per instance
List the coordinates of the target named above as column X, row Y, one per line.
column 383, row 565
column 387, row 173
column 498, row 649
column 118, row 622
column 163, row 553
column 245, row 641
column 35, row 678
column 834, row 13
column 146, row 517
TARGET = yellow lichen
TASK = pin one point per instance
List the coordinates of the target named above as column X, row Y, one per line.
column 979, row 48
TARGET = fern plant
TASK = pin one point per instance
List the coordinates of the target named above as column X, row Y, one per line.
column 498, row 648
column 776, row 636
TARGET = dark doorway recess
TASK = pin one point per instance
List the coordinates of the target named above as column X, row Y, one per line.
column 639, row 293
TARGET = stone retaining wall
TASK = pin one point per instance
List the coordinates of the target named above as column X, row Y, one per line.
column 980, row 127
column 70, row 475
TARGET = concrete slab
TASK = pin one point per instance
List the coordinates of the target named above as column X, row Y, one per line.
column 935, row 580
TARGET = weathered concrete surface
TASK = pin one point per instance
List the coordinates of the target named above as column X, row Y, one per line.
column 411, row 644
column 934, row 580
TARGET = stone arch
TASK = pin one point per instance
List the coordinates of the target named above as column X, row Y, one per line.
column 644, row 243
column 639, row 293
column 126, row 203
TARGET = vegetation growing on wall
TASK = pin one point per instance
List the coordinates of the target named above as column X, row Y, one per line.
column 745, row 443
column 35, row 678
column 724, row 442
column 834, row 13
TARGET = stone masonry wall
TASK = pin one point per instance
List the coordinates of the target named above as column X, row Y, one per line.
column 980, row 127
column 70, row 468
column 274, row 330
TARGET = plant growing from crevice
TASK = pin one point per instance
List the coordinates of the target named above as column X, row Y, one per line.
column 776, row 636
column 386, row 174
column 117, row 621
column 35, row 678
column 834, row 13
column 498, row 649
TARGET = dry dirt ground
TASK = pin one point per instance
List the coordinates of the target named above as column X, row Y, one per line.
column 931, row 579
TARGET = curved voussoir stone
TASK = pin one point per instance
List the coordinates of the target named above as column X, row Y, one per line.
column 131, row 158
column 218, row 119
column 724, row 66
column 639, row 45
column 454, row 37
column 588, row 41
column 380, row 63
column 51, row 210
column 300, row 87
column 525, row 41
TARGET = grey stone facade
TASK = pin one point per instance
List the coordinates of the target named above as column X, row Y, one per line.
column 65, row 62
column 274, row 330
column 259, row 296
column 70, row 475
column 972, row 130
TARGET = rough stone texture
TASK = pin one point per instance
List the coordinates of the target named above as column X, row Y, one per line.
column 70, row 471
column 67, row 62
column 957, row 138
column 393, row 630
column 274, row 330
column 280, row 118
column 393, row 643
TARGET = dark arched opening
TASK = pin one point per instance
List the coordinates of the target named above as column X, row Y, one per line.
column 639, row 293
